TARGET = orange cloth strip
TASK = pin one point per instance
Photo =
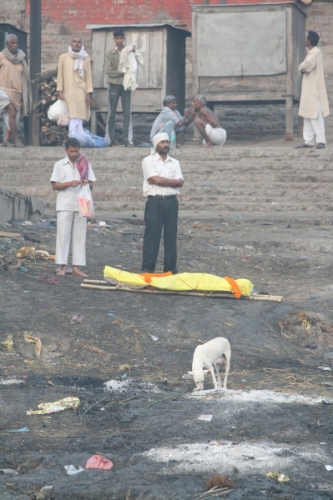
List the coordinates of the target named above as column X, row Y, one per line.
column 234, row 287
column 148, row 276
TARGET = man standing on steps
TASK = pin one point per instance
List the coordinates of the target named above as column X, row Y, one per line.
column 74, row 85
column 121, row 69
column 313, row 105
column 69, row 174
column 15, row 88
column 208, row 124
column 162, row 177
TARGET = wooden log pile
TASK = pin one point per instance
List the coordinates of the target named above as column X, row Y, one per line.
column 50, row 133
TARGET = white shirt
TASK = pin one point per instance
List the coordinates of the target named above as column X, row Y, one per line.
column 154, row 165
column 64, row 171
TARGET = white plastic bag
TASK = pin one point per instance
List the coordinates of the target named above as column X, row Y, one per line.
column 85, row 201
column 57, row 111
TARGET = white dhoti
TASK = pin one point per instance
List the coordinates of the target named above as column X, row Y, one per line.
column 217, row 136
column 70, row 224
column 314, row 129
column 4, row 100
column 75, row 127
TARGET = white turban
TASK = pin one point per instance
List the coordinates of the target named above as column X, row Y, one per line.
column 158, row 138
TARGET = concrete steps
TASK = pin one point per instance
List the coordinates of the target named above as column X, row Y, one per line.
column 237, row 179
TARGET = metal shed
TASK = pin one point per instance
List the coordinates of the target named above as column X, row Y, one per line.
column 249, row 53
column 163, row 49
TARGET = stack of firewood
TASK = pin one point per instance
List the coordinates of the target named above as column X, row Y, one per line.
column 50, row 133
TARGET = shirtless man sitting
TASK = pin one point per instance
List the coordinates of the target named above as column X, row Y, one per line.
column 208, row 124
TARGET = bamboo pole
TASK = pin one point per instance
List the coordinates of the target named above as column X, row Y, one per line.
column 226, row 295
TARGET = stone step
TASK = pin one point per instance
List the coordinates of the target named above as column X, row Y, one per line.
column 232, row 179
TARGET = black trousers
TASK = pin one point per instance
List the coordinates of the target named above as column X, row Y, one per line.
column 160, row 213
column 116, row 91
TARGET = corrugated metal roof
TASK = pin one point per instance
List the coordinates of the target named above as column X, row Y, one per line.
column 138, row 26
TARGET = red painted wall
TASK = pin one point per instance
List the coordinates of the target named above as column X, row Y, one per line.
column 77, row 14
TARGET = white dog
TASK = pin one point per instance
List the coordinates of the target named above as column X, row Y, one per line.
column 210, row 355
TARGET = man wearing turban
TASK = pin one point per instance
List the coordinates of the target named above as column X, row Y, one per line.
column 162, row 177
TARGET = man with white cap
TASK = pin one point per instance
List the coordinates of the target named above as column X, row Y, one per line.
column 162, row 177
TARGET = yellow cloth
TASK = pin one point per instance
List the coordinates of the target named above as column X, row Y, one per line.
column 200, row 282
column 74, row 87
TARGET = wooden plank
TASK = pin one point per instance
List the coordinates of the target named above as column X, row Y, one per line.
column 10, row 235
column 143, row 101
column 210, row 85
column 98, row 58
column 155, row 63
column 109, row 44
column 224, row 295
column 245, row 96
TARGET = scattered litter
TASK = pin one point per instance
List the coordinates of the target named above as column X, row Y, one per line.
column 34, row 340
column 278, row 476
column 27, row 223
column 63, row 404
column 76, row 319
column 239, row 216
column 110, row 314
column 329, row 384
column 12, row 381
column 8, row 343
column 218, row 481
column 323, row 442
column 123, row 376
column 155, row 339
column 267, row 223
column 124, row 367
column 221, row 247
column 26, row 253
column 31, row 237
column 13, row 471
column 9, row 235
column 311, row 346
column 24, row 429
column 12, row 486
column 23, row 269
column 329, row 467
column 102, row 223
column 50, row 280
column 99, row 462
column 72, row 470
column 46, row 488
column 325, row 368
column 43, row 254
column 205, row 418
column 116, row 385
column 327, row 401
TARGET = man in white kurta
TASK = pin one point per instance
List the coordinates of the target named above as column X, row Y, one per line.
column 162, row 177
column 74, row 85
column 68, row 180
column 314, row 103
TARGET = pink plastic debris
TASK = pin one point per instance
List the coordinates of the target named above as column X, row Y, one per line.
column 99, row 462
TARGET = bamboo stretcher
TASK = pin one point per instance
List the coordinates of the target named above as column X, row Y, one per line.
column 104, row 285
